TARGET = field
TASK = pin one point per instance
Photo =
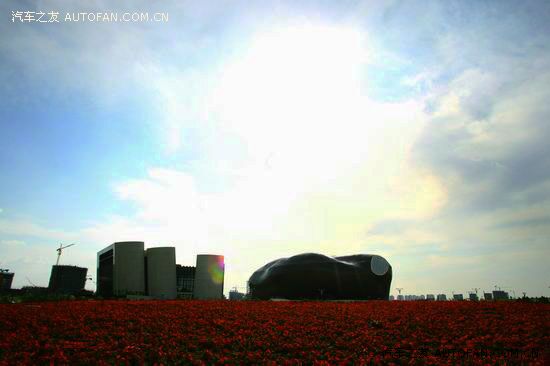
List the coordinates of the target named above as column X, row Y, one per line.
column 224, row 332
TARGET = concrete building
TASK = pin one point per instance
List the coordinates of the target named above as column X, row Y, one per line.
column 121, row 269
column 487, row 296
column 441, row 297
column 209, row 276
column 430, row 297
column 458, row 297
column 67, row 279
column 160, row 272
column 500, row 295
column 473, row 296
column 6, row 279
column 185, row 281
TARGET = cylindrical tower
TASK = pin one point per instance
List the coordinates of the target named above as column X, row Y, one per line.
column 209, row 275
column 161, row 272
column 129, row 271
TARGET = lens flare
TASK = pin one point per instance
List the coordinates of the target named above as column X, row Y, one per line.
column 216, row 270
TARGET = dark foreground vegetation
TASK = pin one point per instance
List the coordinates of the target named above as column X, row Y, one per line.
column 254, row 332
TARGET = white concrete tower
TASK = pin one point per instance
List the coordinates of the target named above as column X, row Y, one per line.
column 209, row 275
column 161, row 272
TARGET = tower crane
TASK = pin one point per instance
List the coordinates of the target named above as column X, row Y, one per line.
column 60, row 249
column 29, row 281
column 510, row 289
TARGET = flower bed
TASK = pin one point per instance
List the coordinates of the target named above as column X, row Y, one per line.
column 221, row 332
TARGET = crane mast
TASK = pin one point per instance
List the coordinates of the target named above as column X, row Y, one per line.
column 60, row 250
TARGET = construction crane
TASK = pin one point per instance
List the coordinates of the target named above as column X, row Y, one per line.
column 29, row 281
column 60, row 249
column 508, row 287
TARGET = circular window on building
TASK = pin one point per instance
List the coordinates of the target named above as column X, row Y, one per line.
column 378, row 265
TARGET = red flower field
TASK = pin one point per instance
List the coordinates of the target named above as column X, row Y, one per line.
column 249, row 332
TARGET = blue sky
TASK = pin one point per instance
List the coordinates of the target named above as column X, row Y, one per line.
column 413, row 130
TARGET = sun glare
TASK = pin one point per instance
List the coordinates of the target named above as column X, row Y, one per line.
column 291, row 84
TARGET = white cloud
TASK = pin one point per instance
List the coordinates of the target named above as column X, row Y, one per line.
column 303, row 160
column 12, row 242
column 300, row 158
column 26, row 228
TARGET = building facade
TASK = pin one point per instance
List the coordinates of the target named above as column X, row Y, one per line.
column 67, row 279
column 209, row 277
column 6, row 279
column 185, row 281
column 500, row 295
column 125, row 268
column 121, row 269
column 160, row 270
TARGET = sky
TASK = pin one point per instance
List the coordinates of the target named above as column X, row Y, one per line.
column 257, row 130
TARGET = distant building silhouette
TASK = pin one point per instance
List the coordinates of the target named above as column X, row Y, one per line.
column 500, row 295
column 441, row 297
column 487, row 296
column 67, row 279
column 6, row 279
column 236, row 295
column 430, row 297
column 127, row 269
column 458, row 297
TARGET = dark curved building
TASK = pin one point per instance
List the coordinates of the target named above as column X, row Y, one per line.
column 316, row 276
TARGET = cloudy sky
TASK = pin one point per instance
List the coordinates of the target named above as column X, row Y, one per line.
column 416, row 130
